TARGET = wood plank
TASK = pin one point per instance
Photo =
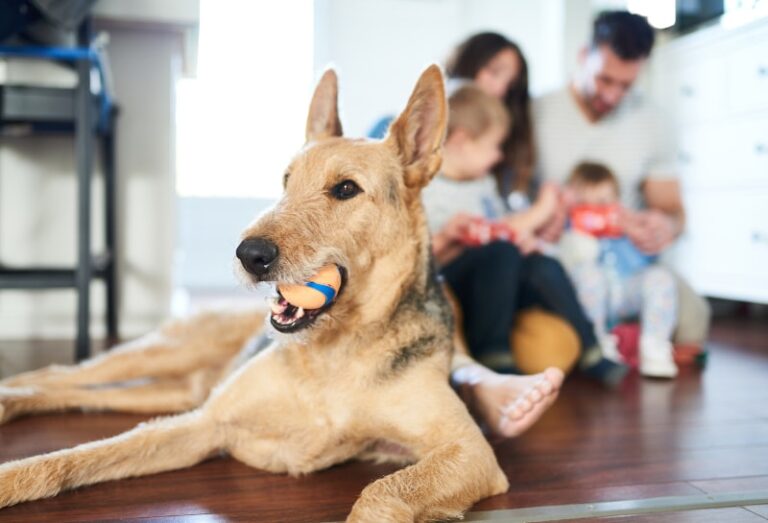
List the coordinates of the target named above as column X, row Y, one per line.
column 719, row 486
column 718, row 515
column 522, row 497
column 761, row 510
column 659, row 506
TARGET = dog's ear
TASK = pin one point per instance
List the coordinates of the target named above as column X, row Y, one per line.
column 323, row 120
column 418, row 132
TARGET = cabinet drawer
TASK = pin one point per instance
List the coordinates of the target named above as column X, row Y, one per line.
column 698, row 91
column 747, row 77
column 724, row 251
column 729, row 154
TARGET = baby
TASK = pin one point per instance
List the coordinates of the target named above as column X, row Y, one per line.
column 613, row 278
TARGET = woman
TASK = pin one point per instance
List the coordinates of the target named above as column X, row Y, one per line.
column 498, row 67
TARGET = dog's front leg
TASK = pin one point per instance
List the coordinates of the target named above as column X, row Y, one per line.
column 156, row 446
column 442, row 485
column 457, row 466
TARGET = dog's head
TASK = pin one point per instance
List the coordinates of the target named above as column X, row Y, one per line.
column 353, row 203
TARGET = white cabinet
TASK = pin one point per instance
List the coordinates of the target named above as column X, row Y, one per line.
column 698, row 90
column 724, row 252
column 747, row 77
column 732, row 152
column 713, row 84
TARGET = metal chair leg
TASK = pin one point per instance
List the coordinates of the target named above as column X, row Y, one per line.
column 110, row 213
column 84, row 153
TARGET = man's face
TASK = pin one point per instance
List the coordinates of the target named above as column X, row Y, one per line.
column 605, row 79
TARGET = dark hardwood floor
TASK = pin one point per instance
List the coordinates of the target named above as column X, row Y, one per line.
column 705, row 432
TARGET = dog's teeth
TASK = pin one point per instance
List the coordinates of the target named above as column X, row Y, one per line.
column 277, row 308
column 299, row 313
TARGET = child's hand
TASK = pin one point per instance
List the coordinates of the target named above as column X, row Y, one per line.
column 457, row 227
column 568, row 197
column 553, row 229
column 556, row 201
column 550, row 196
column 447, row 242
column 527, row 242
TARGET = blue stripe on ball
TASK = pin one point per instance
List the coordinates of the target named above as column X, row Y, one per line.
column 327, row 290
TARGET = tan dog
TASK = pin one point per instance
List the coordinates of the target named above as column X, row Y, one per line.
column 365, row 377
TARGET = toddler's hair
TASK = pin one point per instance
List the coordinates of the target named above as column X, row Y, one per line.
column 591, row 174
column 475, row 112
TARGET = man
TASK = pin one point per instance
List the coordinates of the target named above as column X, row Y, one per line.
column 598, row 117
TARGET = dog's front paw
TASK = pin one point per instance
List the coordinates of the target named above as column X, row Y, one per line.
column 9, row 402
column 37, row 377
column 4, row 405
column 370, row 508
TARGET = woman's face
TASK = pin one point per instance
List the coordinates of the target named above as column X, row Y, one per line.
column 496, row 77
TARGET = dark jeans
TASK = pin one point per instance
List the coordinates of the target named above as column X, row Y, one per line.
column 495, row 281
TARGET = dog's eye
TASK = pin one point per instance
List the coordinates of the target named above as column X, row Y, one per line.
column 345, row 190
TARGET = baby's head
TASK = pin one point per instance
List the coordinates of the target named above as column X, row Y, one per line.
column 477, row 126
column 593, row 184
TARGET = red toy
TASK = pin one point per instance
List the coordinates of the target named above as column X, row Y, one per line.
column 481, row 232
column 601, row 221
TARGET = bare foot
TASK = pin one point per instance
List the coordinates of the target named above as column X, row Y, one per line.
column 507, row 404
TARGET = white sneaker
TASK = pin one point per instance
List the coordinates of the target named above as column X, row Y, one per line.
column 656, row 358
column 610, row 349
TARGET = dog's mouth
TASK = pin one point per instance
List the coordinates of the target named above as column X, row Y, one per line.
column 287, row 318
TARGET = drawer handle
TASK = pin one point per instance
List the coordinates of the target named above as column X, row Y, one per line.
column 761, row 148
column 684, row 157
column 687, row 91
column 760, row 237
column 762, row 71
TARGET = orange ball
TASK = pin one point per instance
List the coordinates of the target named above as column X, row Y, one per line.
column 320, row 290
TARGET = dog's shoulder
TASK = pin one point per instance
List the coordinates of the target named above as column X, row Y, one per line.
column 425, row 314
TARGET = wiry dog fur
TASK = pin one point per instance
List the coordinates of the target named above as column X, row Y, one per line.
column 369, row 375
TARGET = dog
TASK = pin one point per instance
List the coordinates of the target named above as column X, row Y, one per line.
column 364, row 377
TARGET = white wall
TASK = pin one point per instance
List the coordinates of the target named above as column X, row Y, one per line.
column 380, row 46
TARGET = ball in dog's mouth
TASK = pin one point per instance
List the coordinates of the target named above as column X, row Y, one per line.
column 287, row 317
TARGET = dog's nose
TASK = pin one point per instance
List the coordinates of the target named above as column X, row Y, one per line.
column 256, row 255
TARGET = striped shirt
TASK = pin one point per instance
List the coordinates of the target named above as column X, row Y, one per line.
column 632, row 141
